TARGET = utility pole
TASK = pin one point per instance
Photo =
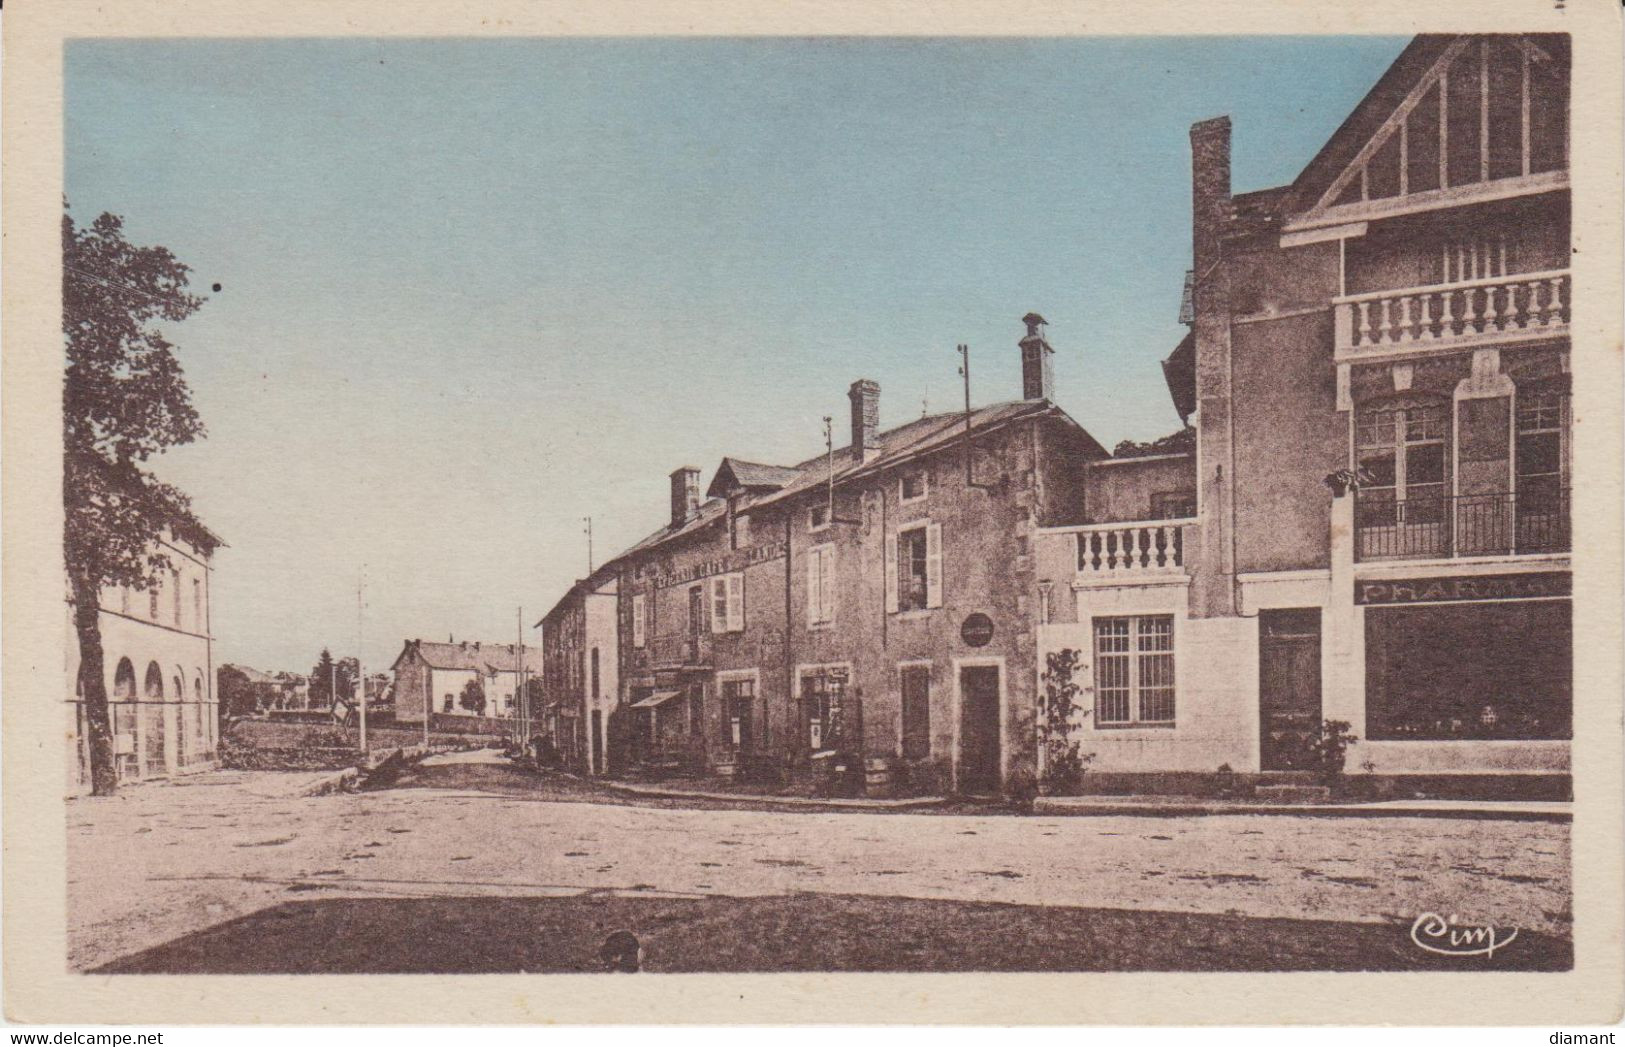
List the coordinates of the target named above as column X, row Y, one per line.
column 360, row 670
column 520, row 714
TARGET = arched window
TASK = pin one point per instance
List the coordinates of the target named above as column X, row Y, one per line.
column 152, row 723
column 178, row 694
column 126, row 714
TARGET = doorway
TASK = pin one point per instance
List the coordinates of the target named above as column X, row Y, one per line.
column 1289, row 710
column 979, row 754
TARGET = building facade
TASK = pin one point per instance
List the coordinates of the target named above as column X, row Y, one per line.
column 1373, row 526
column 878, row 600
column 580, row 673
column 158, row 651
column 441, row 679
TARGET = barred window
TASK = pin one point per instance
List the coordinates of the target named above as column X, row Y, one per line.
column 1134, row 670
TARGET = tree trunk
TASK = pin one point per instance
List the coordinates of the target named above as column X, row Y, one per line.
column 93, row 680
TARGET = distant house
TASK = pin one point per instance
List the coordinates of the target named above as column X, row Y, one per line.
column 432, row 677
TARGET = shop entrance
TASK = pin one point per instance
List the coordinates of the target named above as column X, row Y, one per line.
column 979, row 729
column 1288, row 687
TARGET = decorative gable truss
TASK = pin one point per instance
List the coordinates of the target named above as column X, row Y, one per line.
column 1488, row 120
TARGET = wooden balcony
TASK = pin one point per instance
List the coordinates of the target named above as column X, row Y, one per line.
column 1515, row 308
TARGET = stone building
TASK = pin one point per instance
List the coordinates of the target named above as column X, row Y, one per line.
column 1374, row 524
column 158, row 654
column 431, row 678
column 580, row 673
column 878, row 599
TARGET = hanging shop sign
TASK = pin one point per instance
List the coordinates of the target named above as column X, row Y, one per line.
column 1530, row 586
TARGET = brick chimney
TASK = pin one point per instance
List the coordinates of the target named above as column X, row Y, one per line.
column 865, row 397
column 1210, row 192
column 685, row 495
column 1037, row 374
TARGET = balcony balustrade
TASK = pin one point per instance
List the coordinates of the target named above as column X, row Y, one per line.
column 1496, row 524
column 1132, row 549
column 680, row 649
column 1470, row 312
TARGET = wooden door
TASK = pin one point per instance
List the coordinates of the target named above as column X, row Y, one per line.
column 979, row 729
column 1289, row 710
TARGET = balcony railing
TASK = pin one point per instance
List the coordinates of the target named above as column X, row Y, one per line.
column 1501, row 308
column 1496, row 524
column 1131, row 549
column 680, row 649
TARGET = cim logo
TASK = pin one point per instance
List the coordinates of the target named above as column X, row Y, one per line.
column 1447, row 937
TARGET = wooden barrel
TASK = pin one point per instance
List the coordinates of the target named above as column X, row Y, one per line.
column 878, row 778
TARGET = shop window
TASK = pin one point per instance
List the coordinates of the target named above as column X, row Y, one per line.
column 822, row 694
column 738, row 701
column 1470, row 671
column 1134, row 670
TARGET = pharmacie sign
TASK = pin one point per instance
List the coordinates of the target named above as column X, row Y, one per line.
column 737, row 560
column 1528, row 586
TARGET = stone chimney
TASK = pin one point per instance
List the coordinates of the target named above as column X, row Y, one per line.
column 1037, row 374
column 685, row 495
column 1210, row 192
column 865, row 397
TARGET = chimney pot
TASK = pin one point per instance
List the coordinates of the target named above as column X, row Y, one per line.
column 685, row 495
column 865, row 397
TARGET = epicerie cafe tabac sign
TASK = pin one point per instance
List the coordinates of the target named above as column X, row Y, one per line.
column 1481, row 587
column 734, row 561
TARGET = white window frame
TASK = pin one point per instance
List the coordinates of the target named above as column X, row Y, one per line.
column 902, row 486
column 1134, row 684
column 933, row 567
column 821, row 589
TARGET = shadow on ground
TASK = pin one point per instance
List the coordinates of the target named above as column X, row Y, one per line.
column 801, row 932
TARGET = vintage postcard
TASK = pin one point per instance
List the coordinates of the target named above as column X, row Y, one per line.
column 899, row 513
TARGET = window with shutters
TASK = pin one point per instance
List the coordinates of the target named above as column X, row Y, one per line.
column 1134, row 670
column 728, row 603
column 915, row 681
column 914, row 568
column 639, row 619
column 821, row 584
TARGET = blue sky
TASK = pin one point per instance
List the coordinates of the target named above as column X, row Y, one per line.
column 476, row 290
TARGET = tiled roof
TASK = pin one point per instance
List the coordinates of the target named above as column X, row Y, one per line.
column 750, row 475
column 486, row 657
column 920, row 436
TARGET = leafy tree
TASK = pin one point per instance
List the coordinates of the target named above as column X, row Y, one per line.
column 473, row 696
column 239, row 697
column 1182, row 442
column 321, row 681
column 349, row 669
column 124, row 400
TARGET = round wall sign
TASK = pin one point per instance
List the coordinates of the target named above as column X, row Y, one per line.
column 977, row 630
